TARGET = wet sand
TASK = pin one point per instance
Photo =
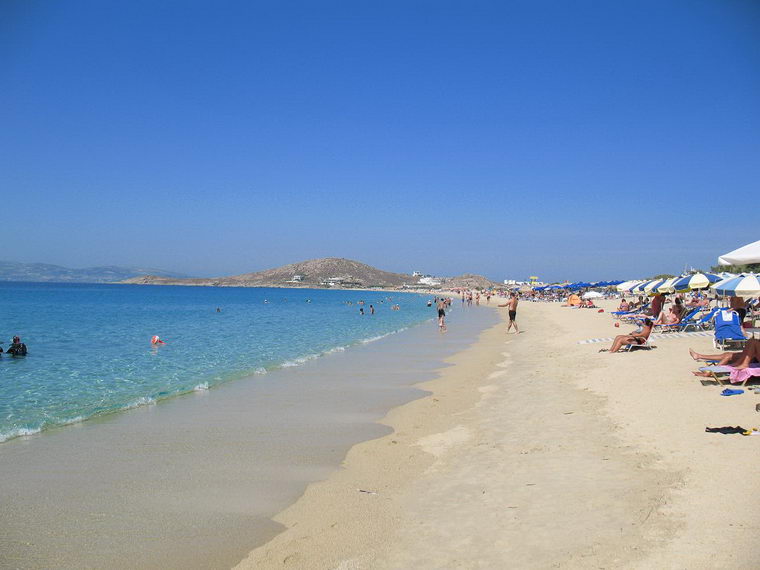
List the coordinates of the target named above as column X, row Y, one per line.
column 193, row 481
column 533, row 451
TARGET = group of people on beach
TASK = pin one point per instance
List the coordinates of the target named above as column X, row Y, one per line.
column 653, row 313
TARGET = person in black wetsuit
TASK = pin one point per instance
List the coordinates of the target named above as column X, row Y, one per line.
column 17, row 348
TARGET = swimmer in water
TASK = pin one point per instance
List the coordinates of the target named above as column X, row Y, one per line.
column 155, row 340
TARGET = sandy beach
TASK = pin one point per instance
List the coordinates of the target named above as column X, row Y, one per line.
column 534, row 451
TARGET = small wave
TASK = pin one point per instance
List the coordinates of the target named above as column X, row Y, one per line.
column 299, row 361
column 26, row 431
column 144, row 401
column 201, row 387
column 374, row 338
column 19, row 432
column 70, row 421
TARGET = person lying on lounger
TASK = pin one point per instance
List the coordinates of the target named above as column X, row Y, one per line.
column 739, row 360
column 667, row 318
column 636, row 337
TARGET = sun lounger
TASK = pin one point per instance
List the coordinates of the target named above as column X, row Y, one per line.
column 735, row 376
column 633, row 346
column 704, row 322
column 680, row 325
column 728, row 330
column 626, row 314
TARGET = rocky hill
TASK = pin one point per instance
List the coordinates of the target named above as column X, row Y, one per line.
column 469, row 281
column 325, row 272
column 47, row 273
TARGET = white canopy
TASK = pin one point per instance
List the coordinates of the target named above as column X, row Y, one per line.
column 749, row 253
column 592, row 295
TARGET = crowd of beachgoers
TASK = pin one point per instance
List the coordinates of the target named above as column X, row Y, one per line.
column 733, row 321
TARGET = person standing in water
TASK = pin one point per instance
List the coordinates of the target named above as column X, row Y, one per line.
column 511, row 304
column 441, row 314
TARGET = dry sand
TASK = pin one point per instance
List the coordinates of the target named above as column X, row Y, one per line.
column 535, row 452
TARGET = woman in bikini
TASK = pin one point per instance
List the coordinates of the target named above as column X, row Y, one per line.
column 636, row 337
column 669, row 318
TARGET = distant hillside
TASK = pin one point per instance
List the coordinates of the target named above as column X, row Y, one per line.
column 326, row 272
column 43, row 272
column 469, row 281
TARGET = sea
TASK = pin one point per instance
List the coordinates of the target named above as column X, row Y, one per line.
column 90, row 350
column 120, row 454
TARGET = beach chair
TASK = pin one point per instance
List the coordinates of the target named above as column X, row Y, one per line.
column 633, row 346
column 721, row 373
column 622, row 314
column 728, row 329
column 703, row 322
column 680, row 325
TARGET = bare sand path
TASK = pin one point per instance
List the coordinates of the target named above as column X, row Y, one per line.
column 535, row 452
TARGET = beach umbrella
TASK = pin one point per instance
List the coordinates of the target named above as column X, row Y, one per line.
column 639, row 287
column 667, row 286
column 749, row 253
column 696, row 281
column 627, row 285
column 649, row 286
column 746, row 285
column 592, row 295
column 726, row 279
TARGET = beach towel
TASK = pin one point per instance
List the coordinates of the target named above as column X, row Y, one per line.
column 741, row 376
column 735, row 376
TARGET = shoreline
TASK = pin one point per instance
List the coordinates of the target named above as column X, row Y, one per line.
column 194, row 482
column 533, row 451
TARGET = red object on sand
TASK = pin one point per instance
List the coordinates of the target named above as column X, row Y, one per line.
column 617, row 325
column 600, row 311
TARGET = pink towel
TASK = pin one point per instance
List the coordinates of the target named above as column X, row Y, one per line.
column 739, row 376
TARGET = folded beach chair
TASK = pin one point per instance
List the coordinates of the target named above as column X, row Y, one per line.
column 728, row 330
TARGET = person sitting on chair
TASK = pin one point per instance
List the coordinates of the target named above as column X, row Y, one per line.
column 637, row 337
column 669, row 318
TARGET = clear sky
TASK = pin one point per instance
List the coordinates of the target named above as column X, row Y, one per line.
column 578, row 140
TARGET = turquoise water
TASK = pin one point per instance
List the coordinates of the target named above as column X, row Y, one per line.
column 90, row 352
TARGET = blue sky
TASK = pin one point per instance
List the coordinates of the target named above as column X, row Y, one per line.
column 568, row 140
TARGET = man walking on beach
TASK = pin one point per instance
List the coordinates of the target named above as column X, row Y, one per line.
column 512, row 305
